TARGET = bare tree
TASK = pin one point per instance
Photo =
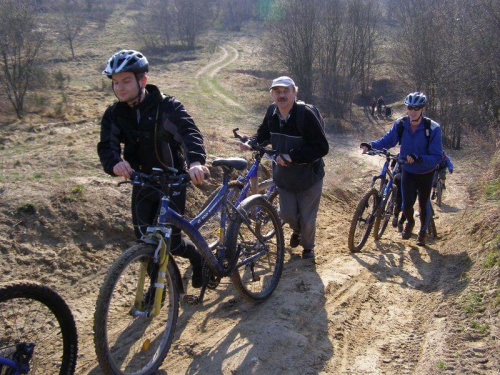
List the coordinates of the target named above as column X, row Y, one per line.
column 235, row 12
column 71, row 22
column 191, row 17
column 292, row 38
column 19, row 47
column 154, row 26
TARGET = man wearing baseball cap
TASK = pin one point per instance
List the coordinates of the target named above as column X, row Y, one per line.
column 295, row 129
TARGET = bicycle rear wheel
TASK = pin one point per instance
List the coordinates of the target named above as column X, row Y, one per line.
column 362, row 221
column 127, row 343
column 260, row 259
column 384, row 214
column 35, row 314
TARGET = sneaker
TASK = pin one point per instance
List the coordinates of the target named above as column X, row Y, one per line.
column 407, row 232
column 422, row 238
column 307, row 254
column 294, row 240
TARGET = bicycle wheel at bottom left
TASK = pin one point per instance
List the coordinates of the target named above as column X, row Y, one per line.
column 128, row 342
column 31, row 313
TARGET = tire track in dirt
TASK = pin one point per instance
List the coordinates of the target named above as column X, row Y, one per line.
column 206, row 76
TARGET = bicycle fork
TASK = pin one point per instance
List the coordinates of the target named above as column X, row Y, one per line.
column 161, row 257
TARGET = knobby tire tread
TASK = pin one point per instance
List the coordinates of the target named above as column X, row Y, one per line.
column 56, row 304
column 100, row 316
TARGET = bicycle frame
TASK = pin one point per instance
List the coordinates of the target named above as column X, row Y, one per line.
column 18, row 367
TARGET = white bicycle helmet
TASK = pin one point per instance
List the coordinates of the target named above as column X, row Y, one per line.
column 416, row 99
column 126, row 61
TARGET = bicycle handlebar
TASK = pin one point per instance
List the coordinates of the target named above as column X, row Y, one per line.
column 387, row 154
column 159, row 177
column 255, row 146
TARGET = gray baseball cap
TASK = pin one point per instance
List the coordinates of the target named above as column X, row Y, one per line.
column 282, row 81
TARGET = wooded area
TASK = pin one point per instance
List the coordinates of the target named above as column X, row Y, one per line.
column 448, row 49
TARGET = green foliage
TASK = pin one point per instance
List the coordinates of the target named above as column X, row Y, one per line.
column 492, row 190
column 28, row 208
column 481, row 328
column 472, row 302
column 77, row 190
column 441, row 365
column 491, row 259
column 61, row 80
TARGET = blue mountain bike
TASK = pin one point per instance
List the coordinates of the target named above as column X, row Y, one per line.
column 138, row 303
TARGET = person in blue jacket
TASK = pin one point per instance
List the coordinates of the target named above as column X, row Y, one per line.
column 422, row 153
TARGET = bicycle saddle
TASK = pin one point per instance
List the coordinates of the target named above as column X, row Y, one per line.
column 236, row 163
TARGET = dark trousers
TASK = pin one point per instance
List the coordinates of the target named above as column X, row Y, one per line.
column 413, row 186
column 145, row 210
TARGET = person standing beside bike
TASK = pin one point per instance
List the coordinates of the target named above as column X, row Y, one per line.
column 157, row 132
column 422, row 153
column 296, row 131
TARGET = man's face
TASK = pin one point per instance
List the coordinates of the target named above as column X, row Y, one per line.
column 415, row 113
column 283, row 96
column 125, row 86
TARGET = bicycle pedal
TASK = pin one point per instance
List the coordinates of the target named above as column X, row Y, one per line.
column 190, row 299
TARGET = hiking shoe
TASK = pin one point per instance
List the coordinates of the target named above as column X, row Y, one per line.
column 294, row 240
column 307, row 254
column 407, row 232
column 400, row 226
column 395, row 221
column 422, row 238
column 197, row 277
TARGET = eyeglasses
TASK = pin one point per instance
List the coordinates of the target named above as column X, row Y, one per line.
column 410, row 108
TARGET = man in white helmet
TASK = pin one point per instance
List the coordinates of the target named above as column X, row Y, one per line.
column 156, row 131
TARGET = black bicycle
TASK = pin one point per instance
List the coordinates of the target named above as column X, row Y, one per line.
column 37, row 331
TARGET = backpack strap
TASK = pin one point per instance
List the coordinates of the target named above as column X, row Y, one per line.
column 427, row 129
column 400, row 128
column 301, row 114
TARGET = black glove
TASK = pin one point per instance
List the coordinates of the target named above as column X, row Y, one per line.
column 416, row 158
column 367, row 145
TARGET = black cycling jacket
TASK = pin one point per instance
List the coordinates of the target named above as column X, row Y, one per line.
column 305, row 146
column 158, row 132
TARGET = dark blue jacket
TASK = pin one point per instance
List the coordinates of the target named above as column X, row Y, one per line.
column 415, row 144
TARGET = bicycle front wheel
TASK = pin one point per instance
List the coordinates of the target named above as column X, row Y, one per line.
column 127, row 342
column 384, row 214
column 258, row 244
column 362, row 221
column 35, row 314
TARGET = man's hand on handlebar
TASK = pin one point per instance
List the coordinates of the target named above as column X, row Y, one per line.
column 197, row 172
column 123, row 169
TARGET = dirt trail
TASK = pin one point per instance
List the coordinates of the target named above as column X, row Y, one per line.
column 206, row 76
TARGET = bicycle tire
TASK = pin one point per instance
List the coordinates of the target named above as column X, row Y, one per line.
column 364, row 224
column 258, row 279
column 384, row 214
column 142, row 345
column 35, row 313
column 439, row 192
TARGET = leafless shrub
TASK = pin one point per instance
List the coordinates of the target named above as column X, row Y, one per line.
column 19, row 48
